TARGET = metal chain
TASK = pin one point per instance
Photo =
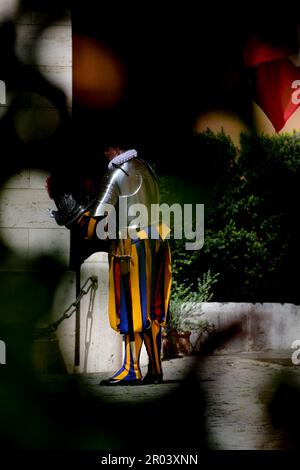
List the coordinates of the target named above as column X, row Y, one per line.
column 48, row 330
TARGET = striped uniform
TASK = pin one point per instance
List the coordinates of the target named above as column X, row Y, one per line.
column 139, row 292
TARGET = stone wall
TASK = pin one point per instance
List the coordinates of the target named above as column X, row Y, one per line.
column 256, row 327
column 25, row 225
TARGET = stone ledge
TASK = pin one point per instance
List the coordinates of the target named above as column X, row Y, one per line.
column 261, row 326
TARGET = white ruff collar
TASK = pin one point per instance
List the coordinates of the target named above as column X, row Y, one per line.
column 122, row 158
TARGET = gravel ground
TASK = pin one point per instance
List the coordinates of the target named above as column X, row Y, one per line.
column 236, row 388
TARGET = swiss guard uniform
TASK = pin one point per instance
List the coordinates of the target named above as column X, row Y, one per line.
column 139, row 261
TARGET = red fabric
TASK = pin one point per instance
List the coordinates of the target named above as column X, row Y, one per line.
column 273, row 90
column 117, row 283
column 274, row 75
column 158, row 304
column 258, row 51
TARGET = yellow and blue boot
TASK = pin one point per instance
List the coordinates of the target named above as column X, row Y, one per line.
column 130, row 373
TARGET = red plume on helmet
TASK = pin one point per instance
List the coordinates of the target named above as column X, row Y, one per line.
column 49, row 186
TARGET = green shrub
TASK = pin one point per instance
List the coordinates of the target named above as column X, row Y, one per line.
column 184, row 303
column 252, row 228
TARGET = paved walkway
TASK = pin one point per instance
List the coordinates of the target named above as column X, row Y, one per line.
column 237, row 390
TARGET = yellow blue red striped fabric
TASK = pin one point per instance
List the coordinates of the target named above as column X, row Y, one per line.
column 139, row 292
column 143, row 294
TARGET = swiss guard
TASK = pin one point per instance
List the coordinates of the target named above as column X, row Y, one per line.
column 139, row 257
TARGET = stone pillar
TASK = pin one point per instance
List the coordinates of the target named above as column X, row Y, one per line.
column 100, row 346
